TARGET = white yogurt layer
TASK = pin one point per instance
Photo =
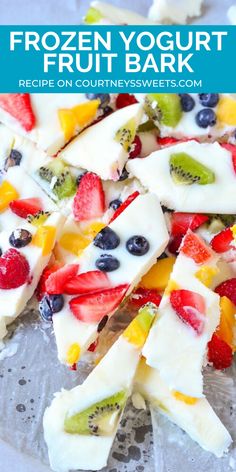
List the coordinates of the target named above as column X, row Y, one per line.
column 73, row 451
column 154, row 173
column 118, row 16
column 174, row 12
column 142, row 217
column 173, row 347
column 96, row 148
column 198, row 419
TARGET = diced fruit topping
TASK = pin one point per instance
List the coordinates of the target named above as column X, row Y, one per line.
column 172, row 285
column 73, row 119
column 231, row 148
column 92, row 307
column 18, row 105
column 104, row 98
column 106, row 239
column 93, row 281
column 141, row 296
column 209, row 99
column 124, row 100
column 41, row 288
column 38, row 219
column 124, row 205
column 107, row 263
column 74, row 243
column 190, row 307
column 89, row 201
column 93, row 346
column 126, row 135
column 206, row 117
column 147, row 126
column 185, row 170
column 187, row 102
column 137, row 331
column 167, row 141
column 206, row 274
column 115, row 204
column 60, row 180
column 158, row 276
column 14, row 269
column 26, row 207
column 49, row 305
column 7, row 194
column 219, row 353
column 100, row 419
column 184, row 398
column 45, row 238
column 164, row 108
column 57, row 280
column 73, row 354
column 93, row 229
column 20, row 238
column 226, row 328
column 137, row 245
column 174, row 244
column 193, row 246
column 92, row 16
column 227, row 289
column 136, row 148
column 14, row 159
column 222, row 241
column 226, row 111
column 181, row 222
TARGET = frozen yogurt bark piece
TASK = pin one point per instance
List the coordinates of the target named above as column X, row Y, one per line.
column 171, row 12
column 25, row 251
column 104, row 147
column 109, row 268
column 81, row 424
column 102, row 13
column 187, row 318
column 188, row 176
column 194, row 415
column 49, row 120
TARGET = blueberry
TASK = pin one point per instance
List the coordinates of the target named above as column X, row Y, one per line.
column 103, row 97
column 114, row 204
column 107, row 263
column 107, row 110
column 137, row 245
column 102, row 324
column 49, row 305
column 206, row 117
column 124, row 175
column 187, row 102
column 20, row 238
column 209, row 99
column 106, row 239
column 14, row 159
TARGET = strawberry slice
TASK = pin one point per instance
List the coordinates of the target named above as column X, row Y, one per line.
column 124, row 205
column 137, row 148
column 124, row 100
column 219, row 353
column 89, row 201
column 193, row 246
column 18, row 105
column 14, row 270
column 227, row 289
column 174, row 244
column 231, row 148
column 93, row 281
column 190, row 307
column 55, row 283
column 168, row 141
column 41, row 288
column 26, row 206
column 181, row 222
column 222, row 241
column 92, row 307
column 141, row 296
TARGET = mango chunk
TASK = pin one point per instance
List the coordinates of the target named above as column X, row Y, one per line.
column 158, row 276
column 45, row 238
column 77, row 117
column 73, row 354
column 226, row 111
column 74, row 243
column 8, row 193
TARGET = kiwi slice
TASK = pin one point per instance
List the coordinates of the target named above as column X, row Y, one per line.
column 92, row 16
column 185, row 170
column 99, row 419
column 126, row 134
column 164, row 108
column 59, row 177
column 148, row 125
column 38, row 219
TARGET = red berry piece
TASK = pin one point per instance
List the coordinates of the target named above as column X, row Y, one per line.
column 93, row 281
column 227, row 289
column 124, row 205
column 190, row 308
column 174, row 244
column 137, row 148
column 231, row 148
column 56, row 281
column 166, row 141
column 222, row 241
column 14, row 269
column 26, row 207
column 181, row 222
column 89, row 201
column 18, row 105
column 124, row 100
column 93, row 346
column 41, row 288
column 141, row 296
column 219, row 353
column 193, row 246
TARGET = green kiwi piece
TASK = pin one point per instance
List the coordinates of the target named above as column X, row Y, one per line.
column 65, row 184
column 92, row 16
column 164, row 108
column 38, row 219
column 185, row 170
column 147, row 126
column 99, row 419
column 126, row 134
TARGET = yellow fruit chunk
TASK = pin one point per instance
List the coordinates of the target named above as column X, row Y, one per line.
column 206, row 275
column 233, row 229
column 227, row 325
column 172, row 285
column 226, row 111
column 7, row 194
column 93, row 229
column 184, row 398
column 45, row 238
column 68, row 122
column 137, row 331
column 158, row 276
column 73, row 242
column 76, row 117
column 73, row 354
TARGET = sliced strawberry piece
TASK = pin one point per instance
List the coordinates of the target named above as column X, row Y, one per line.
column 231, row 148
column 227, row 289
column 41, row 288
column 174, row 244
column 169, row 141
column 55, row 283
column 93, row 281
column 141, row 296
column 190, row 307
column 18, row 105
column 124, row 100
column 124, row 205
column 26, row 206
column 137, row 147
column 219, row 353
column 14, row 269
column 89, row 201
column 93, row 346
column 181, row 222
column 193, row 246
column 92, row 307
column 222, row 241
